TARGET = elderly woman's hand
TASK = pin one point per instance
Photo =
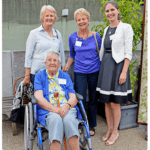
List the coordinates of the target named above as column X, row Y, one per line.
column 27, row 80
column 64, row 109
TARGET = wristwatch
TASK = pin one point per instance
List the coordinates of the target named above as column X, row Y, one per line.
column 69, row 105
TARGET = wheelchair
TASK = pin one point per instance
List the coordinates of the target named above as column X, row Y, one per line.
column 32, row 128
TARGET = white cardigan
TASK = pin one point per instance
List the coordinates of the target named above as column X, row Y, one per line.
column 121, row 42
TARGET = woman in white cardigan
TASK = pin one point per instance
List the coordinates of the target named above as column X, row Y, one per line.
column 114, row 84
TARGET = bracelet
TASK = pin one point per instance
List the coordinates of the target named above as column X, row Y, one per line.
column 69, row 104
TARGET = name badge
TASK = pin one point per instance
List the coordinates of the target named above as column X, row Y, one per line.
column 112, row 37
column 62, row 81
column 78, row 43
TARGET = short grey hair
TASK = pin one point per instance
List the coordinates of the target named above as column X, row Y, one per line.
column 49, row 52
column 81, row 11
column 49, row 7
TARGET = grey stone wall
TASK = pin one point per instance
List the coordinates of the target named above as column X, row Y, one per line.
column 28, row 11
column 19, row 17
column 7, row 76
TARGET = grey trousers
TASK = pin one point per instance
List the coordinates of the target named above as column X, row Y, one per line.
column 58, row 126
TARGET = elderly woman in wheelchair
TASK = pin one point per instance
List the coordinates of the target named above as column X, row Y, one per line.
column 61, row 113
column 57, row 120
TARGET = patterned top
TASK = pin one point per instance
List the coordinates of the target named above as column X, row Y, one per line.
column 53, row 87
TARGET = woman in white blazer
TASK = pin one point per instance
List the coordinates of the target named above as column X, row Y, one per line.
column 114, row 84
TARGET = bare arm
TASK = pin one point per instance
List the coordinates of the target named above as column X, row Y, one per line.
column 72, row 101
column 67, row 66
column 123, row 74
column 27, row 76
column 44, row 103
column 30, row 47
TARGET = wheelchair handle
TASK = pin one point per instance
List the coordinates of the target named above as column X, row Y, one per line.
column 79, row 96
column 15, row 84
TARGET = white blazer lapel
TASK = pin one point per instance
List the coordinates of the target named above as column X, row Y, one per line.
column 102, row 47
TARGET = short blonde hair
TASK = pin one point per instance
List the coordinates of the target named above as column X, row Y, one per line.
column 81, row 11
column 49, row 7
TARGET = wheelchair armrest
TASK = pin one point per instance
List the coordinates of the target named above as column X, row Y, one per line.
column 33, row 99
column 79, row 96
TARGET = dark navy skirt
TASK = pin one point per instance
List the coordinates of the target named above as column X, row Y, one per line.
column 108, row 85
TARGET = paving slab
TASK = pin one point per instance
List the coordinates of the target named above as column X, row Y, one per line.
column 129, row 139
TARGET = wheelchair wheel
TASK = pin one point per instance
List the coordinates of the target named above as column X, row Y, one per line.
column 85, row 140
column 28, row 126
column 31, row 127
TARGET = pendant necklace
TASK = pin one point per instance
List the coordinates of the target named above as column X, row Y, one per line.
column 82, row 37
column 110, row 30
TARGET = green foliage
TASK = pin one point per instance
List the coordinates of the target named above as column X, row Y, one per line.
column 130, row 13
column 133, row 76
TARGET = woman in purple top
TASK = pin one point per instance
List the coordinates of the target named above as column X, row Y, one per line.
column 87, row 63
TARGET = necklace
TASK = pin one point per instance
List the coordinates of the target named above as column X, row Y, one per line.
column 82, row 37
column 110, row 30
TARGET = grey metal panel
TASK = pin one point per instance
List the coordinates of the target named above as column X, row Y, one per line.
column 23, row 16
column 7, row 86
column 18, row 59
column 23, row 12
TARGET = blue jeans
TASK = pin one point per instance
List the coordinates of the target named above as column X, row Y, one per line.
column 32, row 76
column 81, row 81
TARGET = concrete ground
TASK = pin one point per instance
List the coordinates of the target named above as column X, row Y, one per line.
column 129, row 139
